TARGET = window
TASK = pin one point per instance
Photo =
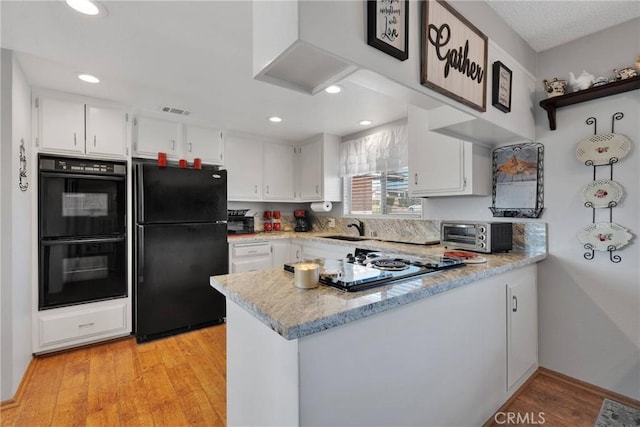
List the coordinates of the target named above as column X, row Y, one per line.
column 380, row 193
column 376, row 175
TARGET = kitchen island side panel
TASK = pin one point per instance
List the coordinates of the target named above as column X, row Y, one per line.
column 262, row 373
column 436, row 362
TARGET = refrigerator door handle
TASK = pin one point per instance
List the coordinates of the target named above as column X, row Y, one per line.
column 140, row 255
column 220, row 222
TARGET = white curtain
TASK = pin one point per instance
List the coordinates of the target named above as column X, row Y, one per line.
column 382, row 151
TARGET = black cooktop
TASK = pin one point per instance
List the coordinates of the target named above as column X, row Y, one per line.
column 366, row 269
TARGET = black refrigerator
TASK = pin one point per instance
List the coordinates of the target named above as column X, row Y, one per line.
column 180, row 240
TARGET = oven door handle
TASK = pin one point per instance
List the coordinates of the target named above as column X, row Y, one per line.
column 49, row 242
column 82, row 175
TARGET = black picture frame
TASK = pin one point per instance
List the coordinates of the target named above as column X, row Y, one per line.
column 501, row 87
column 518, row 181
column 384, row 14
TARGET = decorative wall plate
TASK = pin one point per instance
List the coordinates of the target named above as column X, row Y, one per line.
column 604, row 193
column 601, row 148
column 604, row 236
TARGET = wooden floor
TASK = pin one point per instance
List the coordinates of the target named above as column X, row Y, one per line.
column 181, row 381
column 175, row 381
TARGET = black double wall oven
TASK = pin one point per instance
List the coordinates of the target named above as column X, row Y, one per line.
column 82, row 231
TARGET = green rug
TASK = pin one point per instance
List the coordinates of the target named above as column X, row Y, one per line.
column 615, row 414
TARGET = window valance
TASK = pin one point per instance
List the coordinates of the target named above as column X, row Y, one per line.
column 382, row 151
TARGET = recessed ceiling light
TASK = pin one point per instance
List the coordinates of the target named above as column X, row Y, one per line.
column 275, row 119
column 365, row 122
column 88, row 78
column 333, row 89
column 87, row 7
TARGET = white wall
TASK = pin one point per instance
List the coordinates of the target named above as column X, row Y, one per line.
column 590, row 310
column 15, row 286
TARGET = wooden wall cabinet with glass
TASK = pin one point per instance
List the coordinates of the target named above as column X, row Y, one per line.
column 440, row 165
column 71, row 125
column 318, row 169
column 178, row 140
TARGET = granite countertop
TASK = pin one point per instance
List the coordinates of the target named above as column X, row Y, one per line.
column 271, row 296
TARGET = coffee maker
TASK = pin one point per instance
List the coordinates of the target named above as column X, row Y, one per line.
column 302, row 222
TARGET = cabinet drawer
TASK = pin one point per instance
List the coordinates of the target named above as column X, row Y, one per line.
column 82, row 323
column 251, row 264
column 251, row 249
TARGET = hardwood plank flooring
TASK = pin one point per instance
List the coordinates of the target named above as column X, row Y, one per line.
column 181, row 380
column 175, row 381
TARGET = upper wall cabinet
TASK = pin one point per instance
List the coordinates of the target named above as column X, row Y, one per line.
column 69, row 126
column 278, row 172
column 178, row 140
column 244, row 166
column 440, row 165
column 317, row 169
column 204, row 143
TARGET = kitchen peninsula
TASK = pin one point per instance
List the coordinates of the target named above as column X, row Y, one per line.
column 425, row 351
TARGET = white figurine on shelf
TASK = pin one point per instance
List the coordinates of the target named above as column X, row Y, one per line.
column 583, row 81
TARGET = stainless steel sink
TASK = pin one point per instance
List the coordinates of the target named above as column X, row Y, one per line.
column 347, row 238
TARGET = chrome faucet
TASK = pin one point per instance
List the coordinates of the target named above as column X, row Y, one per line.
column 359, row 226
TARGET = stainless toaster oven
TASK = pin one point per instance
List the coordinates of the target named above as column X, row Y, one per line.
column 486, row 237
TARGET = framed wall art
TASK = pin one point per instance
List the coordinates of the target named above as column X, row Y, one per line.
column 518, row 184
column 453, row 60
column 501, row 87
column 388, row 26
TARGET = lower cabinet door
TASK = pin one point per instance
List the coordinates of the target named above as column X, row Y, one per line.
column 83, row 323
column 522, row 327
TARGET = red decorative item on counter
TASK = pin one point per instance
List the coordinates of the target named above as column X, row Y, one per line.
column 276, row 214
column 197, row 163
column 267, row 226
column 183, row 163
column 162, row 159
column 267, row 214
column 277, row 226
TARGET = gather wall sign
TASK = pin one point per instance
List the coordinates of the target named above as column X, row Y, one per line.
column 454, row 55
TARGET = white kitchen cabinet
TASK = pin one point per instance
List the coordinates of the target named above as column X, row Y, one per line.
column 313, row 250
column 278, row 172
column 281, row 252
column 296, row 254
column 154, row 135
column 244, row 168
column 81, row 324
column 249, row 256
column 522, row 325
column 204, row 143
column 72, row 126
column 440, row 165
column 318, row 169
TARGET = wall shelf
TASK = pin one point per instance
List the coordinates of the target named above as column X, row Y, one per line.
column 551, row 104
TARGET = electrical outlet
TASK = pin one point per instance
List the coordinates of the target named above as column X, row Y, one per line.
column 331, row 223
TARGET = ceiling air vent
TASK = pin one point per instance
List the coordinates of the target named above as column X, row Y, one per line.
column 176, row 111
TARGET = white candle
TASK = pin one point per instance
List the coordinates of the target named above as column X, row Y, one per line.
column 306, row 275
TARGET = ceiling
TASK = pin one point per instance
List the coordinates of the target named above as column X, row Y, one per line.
column 547, row 24
column 151, row 54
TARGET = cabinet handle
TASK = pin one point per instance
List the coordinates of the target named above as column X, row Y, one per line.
column 255, row 189
column 190, row 147
column 74, row 139
column 464, row 182
column 415, row 178
column 267, row 189
column 317, row 189
column 85, row 325
column 514, row 305
column 94, row 140
column 297, row 253
column 173, row 144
